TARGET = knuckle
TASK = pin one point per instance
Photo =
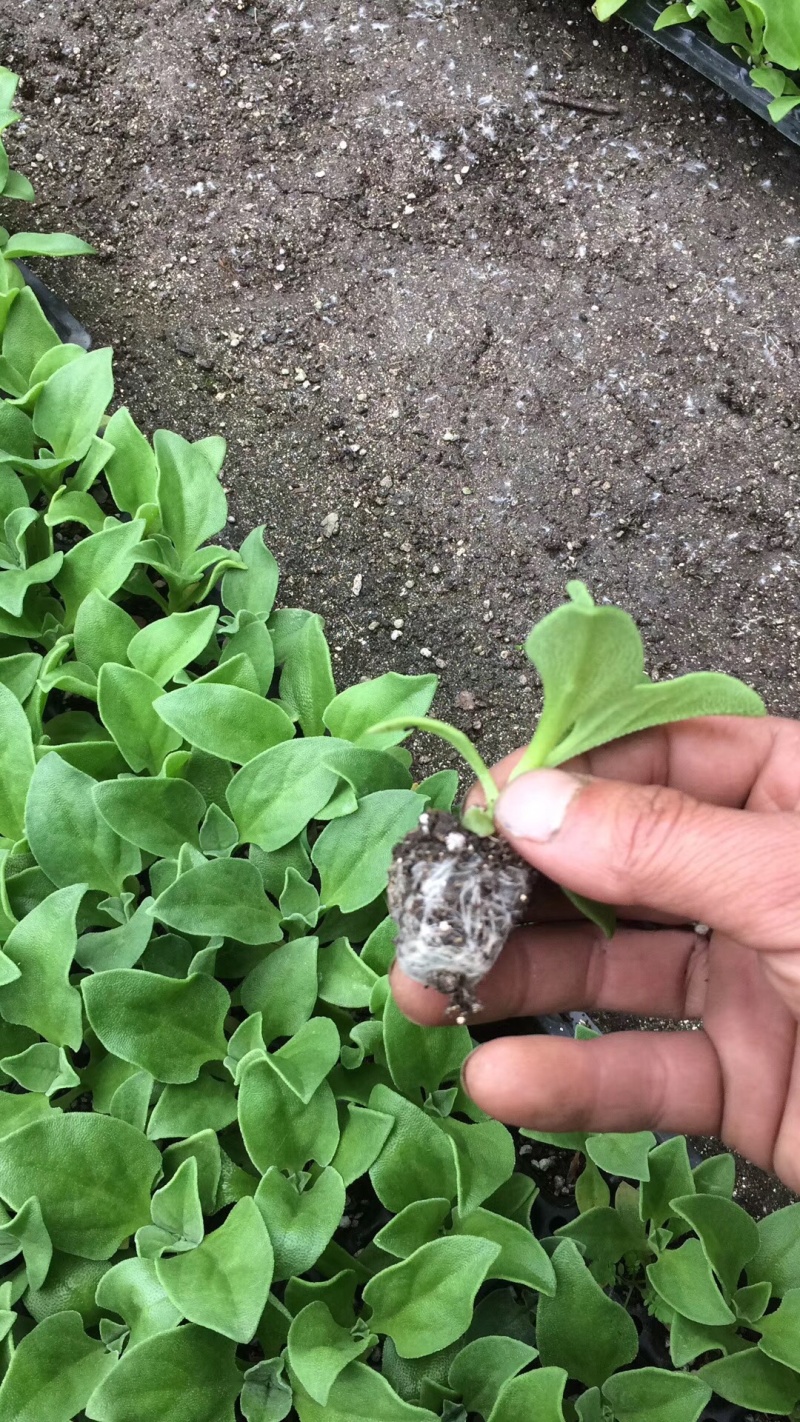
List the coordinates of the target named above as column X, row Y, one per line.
column 646, row 836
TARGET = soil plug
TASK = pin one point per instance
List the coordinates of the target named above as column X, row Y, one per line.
column 456, row 890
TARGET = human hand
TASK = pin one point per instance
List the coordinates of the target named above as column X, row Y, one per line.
column 693, row 823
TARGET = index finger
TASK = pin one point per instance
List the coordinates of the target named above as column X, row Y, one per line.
column 717, row 759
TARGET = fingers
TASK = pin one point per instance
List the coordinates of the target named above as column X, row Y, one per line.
column 629, row 1081
column 716, row 758
column 624, row 843
column 572, row 967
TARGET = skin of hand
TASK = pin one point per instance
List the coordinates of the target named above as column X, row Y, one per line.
column 692, row 824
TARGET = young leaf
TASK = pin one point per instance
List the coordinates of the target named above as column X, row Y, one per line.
column 252, row 589
column 125, row 699
column 416, row 1162
column 224, row 720
column 580, row 1329
column 484, row 1159
column 156, row 814
column 683, row 1279
column 359, row 1394
column 53, row 1371
column 591, row 663
column 353, row 854
column 422, row 1056
column 266, row 1396
column 117, row 947
column 521, row 1259
column 176, row 1214
column 283, row 987
column 716, row 1175
column 320, row 1348
column 536, row 1394
column 204, row 1104
column 191, row 499
column 223, row 897
column 352, row 713
column 277, row 1128
column 752, row 1381
column 131, row 471
column 42, row 948
column 169, row 644
column 17, row 764
column 73, row 402
column 188, row 1374
column 728, row 1235
column 778, row 1258
column 344, row 978
column 116, row 1167
column 414, row 1226
column 483, row 1366
column 100, row 563
column 780, row 1332
column 670, row 1175
column 223, row 1284
column 301, row 1223
column 425, row 1302
column 622, row 1153
column 306, row 684
column 41, row 1067
column 132, row 1290
column 364, row 1135
column 166, row 1026
column 26, row 1234
column 273, row 797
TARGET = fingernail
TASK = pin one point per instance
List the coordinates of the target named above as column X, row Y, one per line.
column 535, row 805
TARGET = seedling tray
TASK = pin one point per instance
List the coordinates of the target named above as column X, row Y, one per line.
column 714, row 61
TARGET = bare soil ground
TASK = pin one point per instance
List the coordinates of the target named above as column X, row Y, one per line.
column 505, row 343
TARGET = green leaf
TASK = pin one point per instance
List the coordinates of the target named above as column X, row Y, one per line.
column 778, row 1256
column 17, row 1111
column 28, row 335
column 100, row 563
column 252, row 590
column 683, row 1279
column 266, row 1396
column 305, row 1060
column 131, row 471
column 166, row 1026
column 204, row 1104
column 169, row 644
column 687, row 1340
column 176, row 1213
column 538, row 1394
column 751, row 1380
column 780, row 1332
column 113, row 1162
column 19, row 673
column 337, row 1292
column 483, row 1366
column 344, row 978
column 17, row 764
column 53, row 1372
column 42, row 948
column 47, row 244
column 283, row 988
column 751, row 1300
column 187, row 1375
column 670, row 1175
column 353, row 712
column 71, row 1284
column 301, row 1224
column 26, row 1234
column 359, row 1394
column 602, row 1232
column 125, row 699
column 591, row 663
column 484, row 1158
column 249, row 651
column 73, row 402
column 425, row 1302
column 306, row 684
column 622, row 1153
column 191, row 499
column 591, row 1189
column 656, row 1394
column 521, row 1259
column 42, row 1068
column 363, row 1137
column 416, row 1162
column 273, row 797
column 604, row 9
column 353, row 854
column 715, row 1176
column 728, row 1235
column 417, row 1224
column 676, row 14
column 132, row 1290
column 157, row 815
column 117, row 947
column 277, row 1128
column 299, row 906
column 580, row 1329
column 224, row 720
column 319, row 1349
column 422, row 1056
column 223, row 897
column 70, row 839
column 224, row 1283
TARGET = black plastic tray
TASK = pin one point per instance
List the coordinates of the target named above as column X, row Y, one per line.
column 696, row 47
column 65, row 325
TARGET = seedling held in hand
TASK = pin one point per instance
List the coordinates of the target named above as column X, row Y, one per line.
column 451, row 925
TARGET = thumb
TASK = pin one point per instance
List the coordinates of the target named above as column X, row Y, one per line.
column 648, row 844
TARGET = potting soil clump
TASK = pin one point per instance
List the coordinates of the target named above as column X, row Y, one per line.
column 455, row 897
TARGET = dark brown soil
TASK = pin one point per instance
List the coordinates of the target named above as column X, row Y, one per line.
column 503, row 342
